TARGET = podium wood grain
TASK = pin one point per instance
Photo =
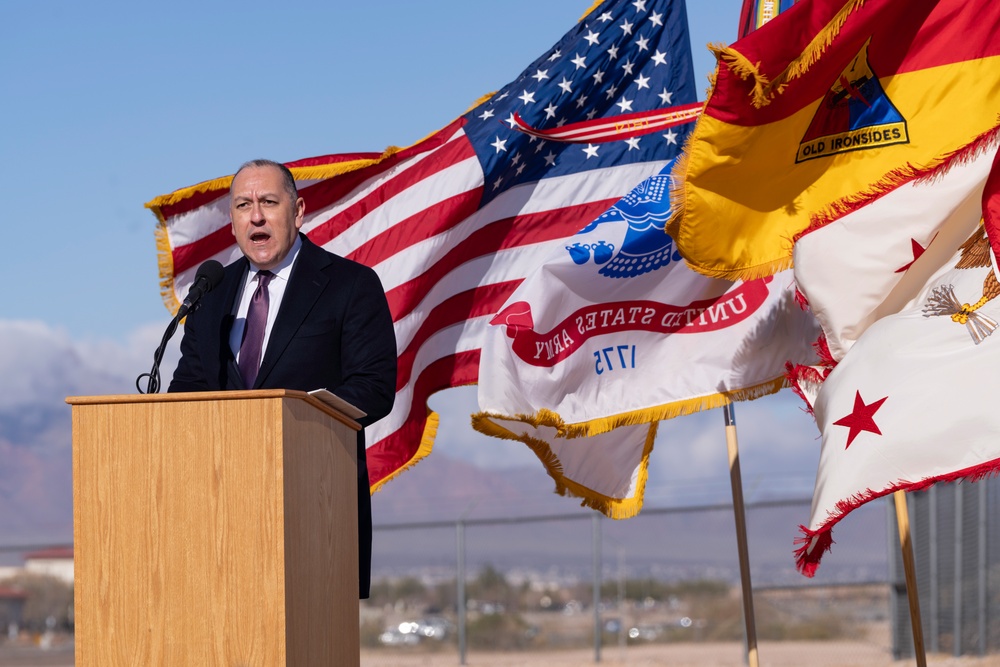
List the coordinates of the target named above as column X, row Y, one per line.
column 214, row 529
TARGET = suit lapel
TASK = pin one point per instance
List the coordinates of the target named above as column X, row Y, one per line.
column 304, row 287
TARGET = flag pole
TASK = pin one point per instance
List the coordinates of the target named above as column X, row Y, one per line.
column 741, row 533
column 910, row 572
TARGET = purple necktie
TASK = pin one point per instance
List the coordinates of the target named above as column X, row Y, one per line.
column 253, row 333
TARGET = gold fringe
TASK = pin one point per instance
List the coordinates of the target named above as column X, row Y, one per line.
column 321, row 171
column 309, row 173
column 613, row 508
column 746, row 273
column 678, row 187
column 819, row 44
column 546, row 417
column 482, row 98
column 165, row 264
column 592, row 8
column 712, row 78
column 754, row 272
column 176, row 196
column 679, row 174
column 483, row 423
column 764, row 89
column 426, row 445
column 735, row 61
column 741, row 67
column 934, row 169
column 669, row 410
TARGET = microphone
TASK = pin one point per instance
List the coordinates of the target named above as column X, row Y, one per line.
column 207, row 277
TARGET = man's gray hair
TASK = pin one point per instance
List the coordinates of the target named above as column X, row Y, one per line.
column 286, row 174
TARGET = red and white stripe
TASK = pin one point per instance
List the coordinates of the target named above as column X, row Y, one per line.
column 616, row 128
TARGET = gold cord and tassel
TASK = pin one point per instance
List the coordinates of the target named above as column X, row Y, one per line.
column 943, row 301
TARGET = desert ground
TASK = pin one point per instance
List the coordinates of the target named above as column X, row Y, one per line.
column 774, row 654
column 770, row 654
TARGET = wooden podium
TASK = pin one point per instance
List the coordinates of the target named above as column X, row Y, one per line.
column 214, row 529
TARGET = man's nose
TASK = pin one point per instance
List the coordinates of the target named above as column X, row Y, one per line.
column 256, row 213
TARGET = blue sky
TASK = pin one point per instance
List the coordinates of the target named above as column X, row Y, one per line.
column 109, row 104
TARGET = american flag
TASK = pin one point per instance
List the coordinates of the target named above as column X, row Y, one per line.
column 455, row 222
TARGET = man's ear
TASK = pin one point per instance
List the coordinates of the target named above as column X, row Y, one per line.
column 300, row 212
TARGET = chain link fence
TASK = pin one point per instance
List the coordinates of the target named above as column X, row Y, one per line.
column 455, row 592
column 957, row 558
column 664, row 587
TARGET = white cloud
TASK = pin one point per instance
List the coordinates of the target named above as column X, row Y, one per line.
column 41, row 364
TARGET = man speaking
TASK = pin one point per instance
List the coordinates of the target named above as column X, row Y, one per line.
column 290, row 315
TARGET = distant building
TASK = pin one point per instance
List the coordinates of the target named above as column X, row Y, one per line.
column 56, row 562
column 11, row 608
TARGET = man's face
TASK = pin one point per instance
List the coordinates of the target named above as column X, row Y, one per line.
column 264, row 216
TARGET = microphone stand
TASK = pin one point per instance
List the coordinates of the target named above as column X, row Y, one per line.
column 209, row 275
column 153, row 385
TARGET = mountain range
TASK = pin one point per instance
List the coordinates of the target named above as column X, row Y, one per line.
column 502, row 493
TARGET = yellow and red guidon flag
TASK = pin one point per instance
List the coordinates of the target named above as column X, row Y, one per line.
column 824, row 109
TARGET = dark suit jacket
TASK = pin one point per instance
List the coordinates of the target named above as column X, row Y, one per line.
column 333, row 330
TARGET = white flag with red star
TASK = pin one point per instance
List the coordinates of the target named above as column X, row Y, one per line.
column 910, row 405
column 903, row 397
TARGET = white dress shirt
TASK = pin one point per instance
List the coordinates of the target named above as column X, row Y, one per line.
column 275, row 292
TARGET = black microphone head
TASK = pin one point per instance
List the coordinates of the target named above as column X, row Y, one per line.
column 207, row 277
column 212, row 271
